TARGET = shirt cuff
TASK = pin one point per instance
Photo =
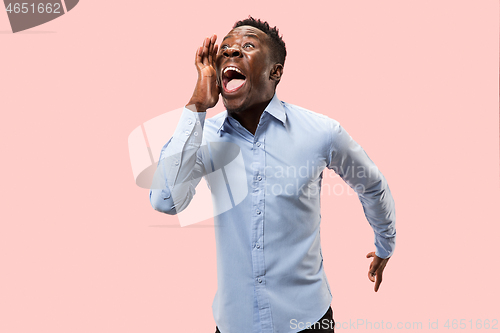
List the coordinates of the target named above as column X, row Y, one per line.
column 191, row 123
column 384, row 247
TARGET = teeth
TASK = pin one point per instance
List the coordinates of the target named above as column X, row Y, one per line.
column 232, row 69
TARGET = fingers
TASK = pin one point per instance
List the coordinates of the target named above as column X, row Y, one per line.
column 213, row 39
column 211, row 50
column 206, row 49
column 376, row 269
column 197, row 57
column 372, row 271
column 379, row 280
column 206, row 54
column 202, row 53
column 214, row 55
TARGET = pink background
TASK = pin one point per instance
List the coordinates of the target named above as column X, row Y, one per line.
column 414, row 82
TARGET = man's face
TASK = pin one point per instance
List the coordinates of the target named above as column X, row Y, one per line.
column 244, row 69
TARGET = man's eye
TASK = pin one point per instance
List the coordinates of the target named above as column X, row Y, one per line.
column 248, row 45
column 223, row 47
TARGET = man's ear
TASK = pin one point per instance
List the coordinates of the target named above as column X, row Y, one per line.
column 276, row 72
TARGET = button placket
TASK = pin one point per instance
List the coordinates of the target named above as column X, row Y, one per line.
column 258, row 220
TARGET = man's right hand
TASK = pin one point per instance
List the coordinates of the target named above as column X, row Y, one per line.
column 206, row 93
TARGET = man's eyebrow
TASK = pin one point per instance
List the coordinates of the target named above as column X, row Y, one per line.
column 247, row 35
column 251, row 35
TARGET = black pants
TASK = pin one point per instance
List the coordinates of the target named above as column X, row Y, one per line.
column 324, row 325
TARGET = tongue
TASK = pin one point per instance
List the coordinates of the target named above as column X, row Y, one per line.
column 234, row 83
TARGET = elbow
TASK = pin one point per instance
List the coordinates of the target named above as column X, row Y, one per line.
column 377, row 190
column 165, row 207
column 161, row 202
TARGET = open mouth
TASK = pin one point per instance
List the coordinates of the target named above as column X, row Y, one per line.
column 232, row 79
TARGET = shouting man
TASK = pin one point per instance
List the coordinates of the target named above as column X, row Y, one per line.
column 269, row 262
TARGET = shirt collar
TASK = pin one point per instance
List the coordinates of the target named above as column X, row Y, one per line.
column 274, row 108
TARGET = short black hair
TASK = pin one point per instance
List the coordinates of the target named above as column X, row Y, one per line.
column 277, row 44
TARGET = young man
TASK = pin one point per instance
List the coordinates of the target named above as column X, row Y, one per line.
column 269, row 262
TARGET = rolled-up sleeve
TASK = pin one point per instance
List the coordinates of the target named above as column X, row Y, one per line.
column 180, row 167
column 348, row 159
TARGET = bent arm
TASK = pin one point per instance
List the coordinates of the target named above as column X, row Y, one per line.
column 180, row 167
column 353, row 165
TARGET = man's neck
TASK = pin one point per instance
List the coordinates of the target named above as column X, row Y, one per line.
column 250, row 117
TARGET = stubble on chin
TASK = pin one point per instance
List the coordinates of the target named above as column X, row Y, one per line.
column 238, row 109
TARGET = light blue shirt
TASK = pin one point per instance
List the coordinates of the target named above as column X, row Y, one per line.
column 269, row 262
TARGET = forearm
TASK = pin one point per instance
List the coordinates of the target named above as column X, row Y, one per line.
column 352, row 163
column 379, row 208
column 179, row 168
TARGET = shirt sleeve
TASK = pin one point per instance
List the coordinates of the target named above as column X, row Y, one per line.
column 353, row 165
column 180, row 167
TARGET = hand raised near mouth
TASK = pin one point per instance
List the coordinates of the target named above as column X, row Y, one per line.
column 206, row 92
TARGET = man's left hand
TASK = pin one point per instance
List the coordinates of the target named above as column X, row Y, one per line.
column 376, row 269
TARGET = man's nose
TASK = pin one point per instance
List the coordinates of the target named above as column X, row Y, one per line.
column 232, row 52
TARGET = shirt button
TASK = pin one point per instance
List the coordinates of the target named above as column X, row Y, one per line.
column 258, row 144
column 190, row 122
column 198, row 122
column 258, row 212
column 195, row 133
column 259, row 178
column 257, row 245
column 187, row 132
column 176, row 162
column 259, row 280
